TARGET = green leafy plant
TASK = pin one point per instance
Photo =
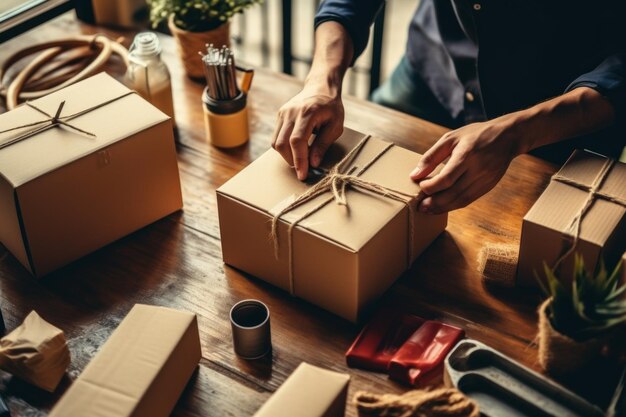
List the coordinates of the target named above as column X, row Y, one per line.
column 197, row 15
column 593, row 305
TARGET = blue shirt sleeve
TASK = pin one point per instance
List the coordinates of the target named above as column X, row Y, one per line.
column 609, row 79
column 355, row 15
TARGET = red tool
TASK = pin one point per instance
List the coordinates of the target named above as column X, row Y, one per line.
column 423, row 352
column 380, row 339
column 409, row 348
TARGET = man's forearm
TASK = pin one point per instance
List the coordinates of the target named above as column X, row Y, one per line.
column 577, row 112
column 332, row 57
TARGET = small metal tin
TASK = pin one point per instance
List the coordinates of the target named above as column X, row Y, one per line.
column 250, row 322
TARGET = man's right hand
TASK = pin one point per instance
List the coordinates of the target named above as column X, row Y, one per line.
column 316, row 110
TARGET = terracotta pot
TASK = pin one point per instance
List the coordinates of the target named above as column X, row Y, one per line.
column 560, row 355
column 190, row 43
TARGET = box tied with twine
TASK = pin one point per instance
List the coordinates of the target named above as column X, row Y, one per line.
column 336, row 181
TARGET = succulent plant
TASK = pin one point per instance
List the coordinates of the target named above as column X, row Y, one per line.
column 594, row 305
column 197, row 15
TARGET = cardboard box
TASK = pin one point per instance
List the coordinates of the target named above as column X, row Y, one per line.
column 64, row 194
column 545, row 228
column 309, row 392
column 343, row 257
column 140, row 371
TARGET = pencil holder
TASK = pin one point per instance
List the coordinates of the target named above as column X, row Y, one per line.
column 226, row 121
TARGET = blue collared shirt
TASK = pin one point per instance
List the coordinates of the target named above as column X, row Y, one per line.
column 485, row 58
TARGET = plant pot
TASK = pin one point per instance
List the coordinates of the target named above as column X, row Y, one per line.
column 560, row 355
column 190, row 43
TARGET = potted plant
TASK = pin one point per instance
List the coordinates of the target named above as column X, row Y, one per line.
column 196, row 23
column 578, row 325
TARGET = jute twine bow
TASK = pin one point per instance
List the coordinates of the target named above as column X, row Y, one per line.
column 56, row 120
column 442, row 402
column 336, row 182
column 594, row 192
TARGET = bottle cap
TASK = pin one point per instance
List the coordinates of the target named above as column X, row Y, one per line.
column 145, row 44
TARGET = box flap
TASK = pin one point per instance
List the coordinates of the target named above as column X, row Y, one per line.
column 57, row 146
column 269, row 184
column 559, row 203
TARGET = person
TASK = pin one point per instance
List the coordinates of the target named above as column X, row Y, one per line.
column 509, row 76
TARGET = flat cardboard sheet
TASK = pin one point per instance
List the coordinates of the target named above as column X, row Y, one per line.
column 140, row 371
column 309, row 392
column 603, row 228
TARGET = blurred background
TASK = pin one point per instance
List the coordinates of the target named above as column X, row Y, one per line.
column 276, row 34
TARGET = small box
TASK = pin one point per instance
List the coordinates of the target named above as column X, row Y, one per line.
column 65, row 193
column 547, row 228
column 309, row 392
column 340, row 257
column 141, row 370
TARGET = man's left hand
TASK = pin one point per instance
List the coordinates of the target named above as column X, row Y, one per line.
column 479, row 153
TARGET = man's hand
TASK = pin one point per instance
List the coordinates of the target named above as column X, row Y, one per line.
column 318, row 110
column 480, row 153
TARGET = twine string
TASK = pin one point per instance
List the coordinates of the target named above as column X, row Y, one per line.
column 337, row 182
column 55, row 120
column 448, row 402
column 593, row 192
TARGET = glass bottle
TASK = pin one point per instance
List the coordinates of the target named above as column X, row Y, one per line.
column 147, row 73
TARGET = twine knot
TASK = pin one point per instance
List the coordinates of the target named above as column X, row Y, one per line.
column 54, row 120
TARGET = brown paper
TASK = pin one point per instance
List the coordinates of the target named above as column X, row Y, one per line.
column 344, row 258
column 36, row 352
column 64, row 194
column 140, row 371
column 309, row 392
column 603, row 228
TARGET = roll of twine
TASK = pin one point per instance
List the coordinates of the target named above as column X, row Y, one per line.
column 56, row 65
column 442, row 402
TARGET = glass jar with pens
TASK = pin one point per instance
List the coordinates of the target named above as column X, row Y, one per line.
column 224, row 101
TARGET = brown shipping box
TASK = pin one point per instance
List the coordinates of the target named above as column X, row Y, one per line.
column 64, row 194
column 602, row 235
column 309, row 392
column 343, row 257
column 140, row 371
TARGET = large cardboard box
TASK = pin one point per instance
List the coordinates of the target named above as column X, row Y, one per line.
column 309, row 392
column 64, row 193
column 339, row 257
column 140, row 371
column 548, row 227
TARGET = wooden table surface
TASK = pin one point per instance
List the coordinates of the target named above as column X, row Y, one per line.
column 177, row 262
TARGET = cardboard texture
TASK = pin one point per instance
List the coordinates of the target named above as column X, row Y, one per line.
column 36, row 352
column 140, row 371
column 64, row 194
column 344, row 257
column 309, row 392
column 603, row 227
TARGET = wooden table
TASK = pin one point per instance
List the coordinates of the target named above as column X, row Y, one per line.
column 177, row 262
